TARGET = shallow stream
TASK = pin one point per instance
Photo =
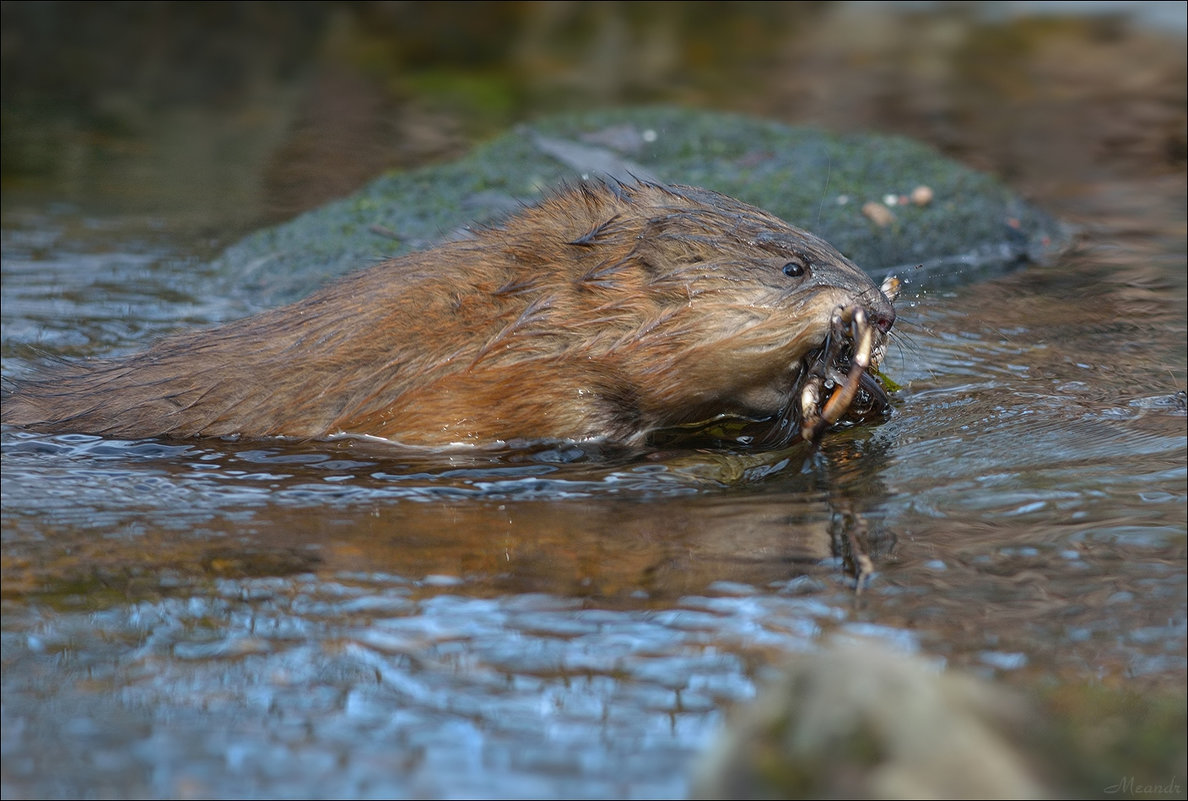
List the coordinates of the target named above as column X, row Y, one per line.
column 330, row 619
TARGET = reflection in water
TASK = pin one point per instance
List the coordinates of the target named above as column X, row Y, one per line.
column 287, row 618
column 522, row 630
column 642, row 529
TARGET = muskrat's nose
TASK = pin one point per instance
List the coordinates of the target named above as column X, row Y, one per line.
column 882, row 316
column 882, row 311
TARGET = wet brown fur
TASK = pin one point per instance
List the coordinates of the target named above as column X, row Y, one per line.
column 605, row 311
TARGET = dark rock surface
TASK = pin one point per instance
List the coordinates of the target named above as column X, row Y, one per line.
column 973, row 227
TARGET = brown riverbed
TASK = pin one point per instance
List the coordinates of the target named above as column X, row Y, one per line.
column 265, row 619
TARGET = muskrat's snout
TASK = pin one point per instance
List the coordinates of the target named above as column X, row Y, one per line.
column 837, row 379
column 881, row 311
column 882, row 314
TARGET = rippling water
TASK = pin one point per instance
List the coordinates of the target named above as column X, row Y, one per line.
column 333, row 619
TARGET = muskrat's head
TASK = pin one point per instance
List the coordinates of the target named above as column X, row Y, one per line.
column 749, row 323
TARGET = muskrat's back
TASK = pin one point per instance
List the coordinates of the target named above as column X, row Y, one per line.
column 605, row 311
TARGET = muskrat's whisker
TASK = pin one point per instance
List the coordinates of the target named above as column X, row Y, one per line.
column 905, row 339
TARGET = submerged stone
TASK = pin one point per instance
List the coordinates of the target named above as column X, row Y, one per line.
column 945, row 223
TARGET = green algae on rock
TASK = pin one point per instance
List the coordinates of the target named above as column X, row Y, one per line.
column 971, row 227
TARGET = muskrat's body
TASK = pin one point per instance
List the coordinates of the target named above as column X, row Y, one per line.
column 606, row 311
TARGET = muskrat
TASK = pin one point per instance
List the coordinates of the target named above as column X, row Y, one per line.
column 608, row 311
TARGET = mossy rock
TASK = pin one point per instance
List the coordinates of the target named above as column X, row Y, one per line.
column 973, row 227
column 857, row 719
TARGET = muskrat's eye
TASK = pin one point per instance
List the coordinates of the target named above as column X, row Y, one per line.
column 795, row 269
